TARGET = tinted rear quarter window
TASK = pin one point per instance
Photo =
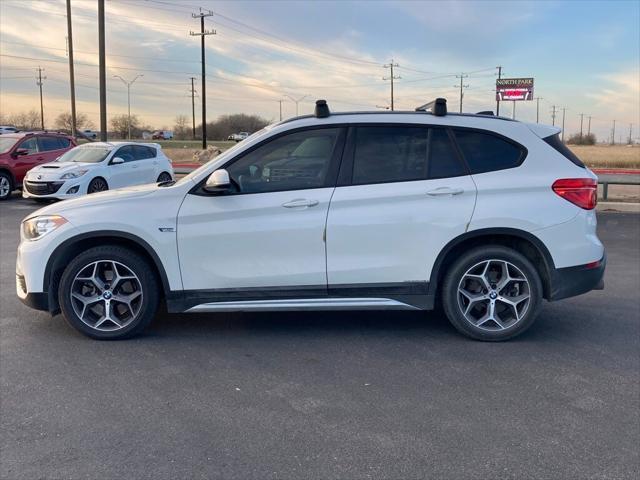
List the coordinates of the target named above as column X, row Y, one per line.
column 485, row 152
column 443, row 160
column 558, row 145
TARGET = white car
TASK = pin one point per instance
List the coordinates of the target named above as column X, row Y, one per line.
column 483, row 215
column 8, row 129
column 90, row 134
column 238, row 137
column 94, row 167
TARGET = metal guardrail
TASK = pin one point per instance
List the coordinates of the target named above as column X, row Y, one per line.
column 612, row 179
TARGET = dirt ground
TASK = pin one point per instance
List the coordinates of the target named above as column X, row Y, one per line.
column 608, row 156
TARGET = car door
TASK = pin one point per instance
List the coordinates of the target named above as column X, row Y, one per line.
column 265, row 238
column 124, row 174
column 50, row 147
column 147, row 163
column 403, row 194
column 25, row 162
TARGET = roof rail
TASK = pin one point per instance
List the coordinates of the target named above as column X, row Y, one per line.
column 322, row 109
column 437, row 107
column 486, row 112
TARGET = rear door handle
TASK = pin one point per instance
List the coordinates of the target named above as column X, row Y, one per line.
column 300, row 202
column 442, row 191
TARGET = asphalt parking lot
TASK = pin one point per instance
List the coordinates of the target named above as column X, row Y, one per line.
column 326, row 395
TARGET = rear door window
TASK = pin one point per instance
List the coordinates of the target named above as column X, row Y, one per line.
column 143, row 152
column 486, row 152
column 46, row 144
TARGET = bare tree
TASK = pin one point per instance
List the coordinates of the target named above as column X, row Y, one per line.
column 63, row 122
column 181, row 129
column 24, row 120
column 120, row 125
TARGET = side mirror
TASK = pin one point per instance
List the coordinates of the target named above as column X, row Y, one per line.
column 218, row 181
column 116, row 160
column 21, row 151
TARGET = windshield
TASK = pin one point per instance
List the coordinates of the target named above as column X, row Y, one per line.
column 6, row 143
column 85, row 155
column 225, row 154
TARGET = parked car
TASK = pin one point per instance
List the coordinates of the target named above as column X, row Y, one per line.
column 162, row 135
column 483, row 215
column 90, row 134
column 20, row 152
column 98, row 166
column 238, row 137
column 8, row 129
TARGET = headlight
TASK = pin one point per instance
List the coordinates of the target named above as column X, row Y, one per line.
column 37, row 227
column 74, row 174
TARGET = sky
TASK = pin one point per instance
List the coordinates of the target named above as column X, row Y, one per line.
column 584, row 56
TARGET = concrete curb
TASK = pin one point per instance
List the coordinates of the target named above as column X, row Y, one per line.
column 626, row 207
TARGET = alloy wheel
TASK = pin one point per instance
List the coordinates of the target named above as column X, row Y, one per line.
column 97, row 185
column 494, row 295
column 106, row 295
column 5, row 187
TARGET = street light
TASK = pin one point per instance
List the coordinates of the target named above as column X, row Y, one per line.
column 128, row 84
column 296, row 101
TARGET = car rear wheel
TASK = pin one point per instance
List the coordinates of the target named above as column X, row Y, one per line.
column 108, row 293
column 6, row 185
column 164, row 177
column 97, row 185
column 492, row 293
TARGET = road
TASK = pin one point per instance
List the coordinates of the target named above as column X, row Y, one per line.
column 327, row 395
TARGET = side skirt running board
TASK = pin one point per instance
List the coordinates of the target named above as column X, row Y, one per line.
column 303, row 304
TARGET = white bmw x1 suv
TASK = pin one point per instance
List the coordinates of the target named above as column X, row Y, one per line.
column 482, row 215
column 95, row 167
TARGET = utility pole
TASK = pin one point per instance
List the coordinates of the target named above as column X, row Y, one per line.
column 554, row 110
column 498, row 98
column 39, row 83
column 581, row 120
column 538, row 109
column 72, row 81
column 102, row 72
column 513, row 112
column 462, row 76
column 203, row 33
column 391, row 77
column 630, row 132
column 280, row 102
column 128, row 84
column 613, row 134
column 295, row 101
column 564, row 111
column 589, row 125
column 193, row 110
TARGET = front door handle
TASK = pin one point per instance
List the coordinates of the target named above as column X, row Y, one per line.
column 300, row 202
column 134, row 166
column 442, row 191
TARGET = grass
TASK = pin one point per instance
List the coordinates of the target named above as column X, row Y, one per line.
column 608, row 156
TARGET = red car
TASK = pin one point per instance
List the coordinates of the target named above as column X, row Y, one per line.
column 20, row 152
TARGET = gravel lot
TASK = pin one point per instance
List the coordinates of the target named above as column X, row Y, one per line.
column 326, row 395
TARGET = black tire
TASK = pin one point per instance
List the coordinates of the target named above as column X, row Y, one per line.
column 98, row 184
column 134, row 263
column 164, row 177
column 6, row 186
column 518, row 320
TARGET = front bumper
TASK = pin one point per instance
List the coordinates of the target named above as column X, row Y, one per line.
column 573, row 281
column 59, row 189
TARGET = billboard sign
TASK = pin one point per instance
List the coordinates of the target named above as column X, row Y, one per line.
column 514, row 89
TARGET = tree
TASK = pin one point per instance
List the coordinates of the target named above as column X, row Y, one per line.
column 120, row 125
column 225, row 125
column 24, row 120
column 181, row 130
column 63, row 122
column 576, row 139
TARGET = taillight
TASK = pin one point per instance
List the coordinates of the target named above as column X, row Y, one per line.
column 582, row 192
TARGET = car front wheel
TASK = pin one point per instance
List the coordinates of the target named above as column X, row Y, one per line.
column 97, row 185
column 6, row 186
column 108, row 293
column 492, row 293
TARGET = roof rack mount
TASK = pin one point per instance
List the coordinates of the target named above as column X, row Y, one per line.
column 437, row 107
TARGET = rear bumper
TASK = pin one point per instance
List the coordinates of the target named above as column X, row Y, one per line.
column 572, row 281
